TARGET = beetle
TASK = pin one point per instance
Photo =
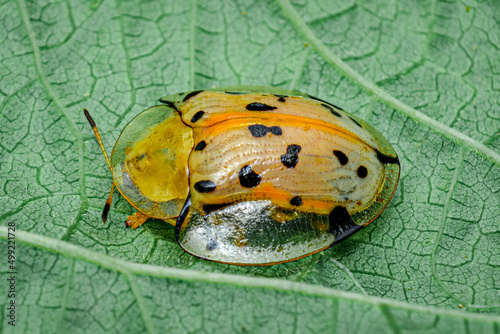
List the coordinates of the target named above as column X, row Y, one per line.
column 252, row 175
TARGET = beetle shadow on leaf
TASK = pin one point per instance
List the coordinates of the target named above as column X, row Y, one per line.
column 160, row 229
column 351, row 245
column 341, row 249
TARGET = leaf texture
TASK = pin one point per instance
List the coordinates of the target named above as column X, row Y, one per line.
column 424, row 73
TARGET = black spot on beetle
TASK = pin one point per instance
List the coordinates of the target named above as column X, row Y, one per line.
column 212, row 244
column 296, row 201
column 275, row 130
column 204, row 186
column 248, row 178
column 293, row 148
column 281, row 97
column 208, row 208
column 169, row 103
column 341, row 224
column 257, row 106
column 291, row 157
column 318, row 99
column 341, row 156
column 259, row 130
column 355, row 122
column 387, row 159
column 362, row 172
column 190, row 95
column 197, row 116
column 234, row 93
column 201, row 145
column 332, row 111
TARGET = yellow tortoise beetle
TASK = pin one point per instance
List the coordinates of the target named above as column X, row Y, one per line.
column 252, row 175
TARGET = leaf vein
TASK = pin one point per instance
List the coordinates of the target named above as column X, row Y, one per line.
column 443, row 224
column 66, row 294
column 141, row 304
column 128, row 65
column 84, row 202
column 350, row 275
column 192, row 70
column 372, row 89
column 126, row 268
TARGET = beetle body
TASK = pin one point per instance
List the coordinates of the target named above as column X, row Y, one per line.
column 254, row 175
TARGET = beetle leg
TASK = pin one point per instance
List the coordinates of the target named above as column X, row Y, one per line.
column 171, row 221
column 107, row 206
column 136, row 220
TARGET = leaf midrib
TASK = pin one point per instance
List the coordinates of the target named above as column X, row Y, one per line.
column 131, row 269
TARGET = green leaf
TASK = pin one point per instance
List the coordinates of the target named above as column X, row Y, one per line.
column 424, row 73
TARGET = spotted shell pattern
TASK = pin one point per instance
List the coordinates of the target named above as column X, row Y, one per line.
column 255, row 175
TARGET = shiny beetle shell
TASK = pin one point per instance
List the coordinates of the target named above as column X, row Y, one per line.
column 254, row 175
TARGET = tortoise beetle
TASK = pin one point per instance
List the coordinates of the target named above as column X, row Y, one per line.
column 252, row 175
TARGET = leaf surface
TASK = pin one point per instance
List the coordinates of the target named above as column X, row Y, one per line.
column 424, row 73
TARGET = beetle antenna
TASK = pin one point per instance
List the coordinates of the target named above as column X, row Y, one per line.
column 98, row 137
column 107, row 206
